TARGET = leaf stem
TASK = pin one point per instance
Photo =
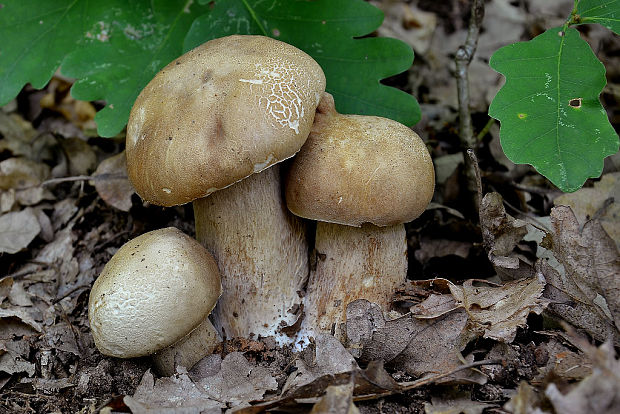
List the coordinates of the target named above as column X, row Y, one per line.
column 574, row 18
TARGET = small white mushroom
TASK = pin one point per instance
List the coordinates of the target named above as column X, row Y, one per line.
column 154, row 296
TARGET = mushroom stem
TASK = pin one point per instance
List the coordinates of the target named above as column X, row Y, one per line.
column 187, row 351
column 262, row 254
column 367, row 262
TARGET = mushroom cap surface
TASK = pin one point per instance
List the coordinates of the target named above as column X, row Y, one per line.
column 154, row 291
column 221, row 112
column 356, row 169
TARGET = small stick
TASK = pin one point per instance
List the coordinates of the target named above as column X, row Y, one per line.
column 406, row 386
column 463, row 58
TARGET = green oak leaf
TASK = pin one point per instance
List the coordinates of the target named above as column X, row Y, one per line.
column 550, row 112
column 603, row 12
column 36, row 36
column 141, row 37
column 326, row 30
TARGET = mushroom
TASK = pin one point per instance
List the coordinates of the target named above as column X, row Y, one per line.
column 224, row 112
column 361, row 177
column 154, row 297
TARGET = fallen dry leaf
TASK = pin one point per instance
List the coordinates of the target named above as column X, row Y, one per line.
column 58, row 99
column 232, row 380
column 19, row 183
column 17, row 230
column 371, row 382
column 455, row 405
column 26, row 324
column 565, row 363
column 409, row 24
column 602, row 200
column 500, row 234
column 19, row 173
column 525, row 401
column 80, row 156
column 338, row 399
column 588, row 294
column 327, row 357
column 111, row 182
column 171, row 395
column 599, row 393
column 17, row 134
column 497, row 311
column 14, row 357
column 418, row 346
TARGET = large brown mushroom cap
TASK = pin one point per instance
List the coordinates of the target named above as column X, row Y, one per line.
column 221, row 112
column 357, row 169
column 154, row 291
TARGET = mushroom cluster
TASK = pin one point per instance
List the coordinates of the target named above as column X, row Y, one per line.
column 210, row 129
column 214, row 121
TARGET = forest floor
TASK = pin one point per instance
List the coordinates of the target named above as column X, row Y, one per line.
column 524, row 293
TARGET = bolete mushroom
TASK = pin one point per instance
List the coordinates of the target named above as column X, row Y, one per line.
column 154, row 297
column 361, row 177
column 224, row 112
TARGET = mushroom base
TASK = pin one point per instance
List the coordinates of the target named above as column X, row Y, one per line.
column 262, row 255
column 352, row 263
column 188, row 350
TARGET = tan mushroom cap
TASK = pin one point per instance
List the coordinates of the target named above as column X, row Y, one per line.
column 357, row 169
column 221, row 112
column 154, row 291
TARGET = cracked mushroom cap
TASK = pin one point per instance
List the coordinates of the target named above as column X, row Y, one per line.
column 221, row 112
column 356, row 169
column 154, row 291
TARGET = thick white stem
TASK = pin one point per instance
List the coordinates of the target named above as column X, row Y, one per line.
column 188, row 350
column 262, row 254
column 352, row 263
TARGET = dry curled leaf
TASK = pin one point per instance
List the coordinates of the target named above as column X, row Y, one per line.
column 232, row 380
column 588, row 293
column 497, row 311
column 112, row 184
column 417, row 346
column 602, row 201
column 328, row 357
column 501, row 233
column 446, row 404
column 170, row 395
column 17, row 230
column 599, row 393
column 338, row 399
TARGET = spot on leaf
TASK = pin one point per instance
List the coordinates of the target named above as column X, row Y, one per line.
column 575, row 102
column 522, row 116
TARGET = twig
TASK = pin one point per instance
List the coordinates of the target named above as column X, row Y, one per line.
column 603, row 209
column 463, row 58
column 476, row 168
column 406, row 386
column 66, row 179
column 22, row 273
column 96, row 177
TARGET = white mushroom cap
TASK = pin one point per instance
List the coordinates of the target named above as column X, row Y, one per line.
column 154, row 291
